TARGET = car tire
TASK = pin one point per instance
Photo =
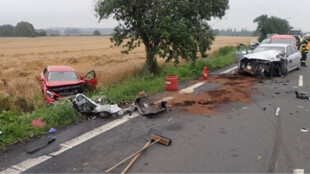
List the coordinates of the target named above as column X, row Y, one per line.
column 299, row 66
column 284, row 68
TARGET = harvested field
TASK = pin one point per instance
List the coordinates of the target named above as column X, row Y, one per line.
column 22, row 59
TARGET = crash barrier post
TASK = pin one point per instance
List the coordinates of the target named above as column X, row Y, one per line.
column 171, row 82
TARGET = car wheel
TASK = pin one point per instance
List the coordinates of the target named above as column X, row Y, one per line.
column 284, row 68
column 299, row 66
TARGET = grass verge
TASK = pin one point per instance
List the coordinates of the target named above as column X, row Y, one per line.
column 16, row 125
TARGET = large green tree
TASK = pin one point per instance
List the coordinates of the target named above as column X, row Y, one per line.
column 24, row 29
column 269, row 25
column 171, row 29
column 6, row 30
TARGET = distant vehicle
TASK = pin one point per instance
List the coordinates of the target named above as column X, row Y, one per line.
column 286, row 39
column 267, row 60
column 62, row 81
column 295, row 32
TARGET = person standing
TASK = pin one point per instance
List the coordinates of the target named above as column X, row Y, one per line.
column 305, row 50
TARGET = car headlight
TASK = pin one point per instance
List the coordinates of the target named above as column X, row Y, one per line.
column 50, row 94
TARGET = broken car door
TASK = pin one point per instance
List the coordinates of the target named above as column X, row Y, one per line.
column 242, row 50
column 91, row 78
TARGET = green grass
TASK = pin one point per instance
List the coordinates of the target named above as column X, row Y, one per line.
column 16, row 125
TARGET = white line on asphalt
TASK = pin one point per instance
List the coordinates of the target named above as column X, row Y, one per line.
column 196, row 85
column 301, row 80
column 229, row 70
column 27, row 164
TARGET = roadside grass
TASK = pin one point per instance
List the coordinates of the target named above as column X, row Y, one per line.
column 15, row 122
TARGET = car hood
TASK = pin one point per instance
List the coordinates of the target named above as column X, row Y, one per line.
column 62, row 83
column 270, row 55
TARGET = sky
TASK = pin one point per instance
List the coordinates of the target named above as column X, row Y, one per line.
column 81, row 14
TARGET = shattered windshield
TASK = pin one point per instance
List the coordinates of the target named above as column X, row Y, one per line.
column 62, row 75
column 286, row 41
column 266, row 48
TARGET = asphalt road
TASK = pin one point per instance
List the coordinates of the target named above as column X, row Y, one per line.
column 237, row 138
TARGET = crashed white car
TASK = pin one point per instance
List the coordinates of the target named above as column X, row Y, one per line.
column 267, row 60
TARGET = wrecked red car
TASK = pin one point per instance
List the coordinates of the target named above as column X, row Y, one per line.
column 63, row 81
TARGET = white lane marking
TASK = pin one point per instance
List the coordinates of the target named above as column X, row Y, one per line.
column 229, row 70
column 27, row 164
column 196, row 85
column 298, row 171
column 301, row 80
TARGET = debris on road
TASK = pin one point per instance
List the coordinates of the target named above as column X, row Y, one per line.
column 245, row 108
column 52, row 130
column 146, row 110
column 260, row 157
column 38, row 122
column 302, row 95
column 304, row 130
column 187, row 91
column 277, row 111
column 153, row 137
column 33, row 147
column 85, row 105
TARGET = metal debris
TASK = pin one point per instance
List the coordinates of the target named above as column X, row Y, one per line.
column 304, row 130
column 277, row 111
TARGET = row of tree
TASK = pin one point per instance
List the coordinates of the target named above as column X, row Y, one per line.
column 22, row 29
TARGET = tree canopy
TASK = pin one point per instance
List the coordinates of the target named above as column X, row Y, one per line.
column 270, row 25
column 24, row 29
column 171, row 29
column 97, row 33
column 6, row 30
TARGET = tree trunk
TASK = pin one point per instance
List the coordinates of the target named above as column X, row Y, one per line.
column 150, row 63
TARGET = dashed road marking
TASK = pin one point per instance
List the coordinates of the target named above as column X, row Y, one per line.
column 229, row 70
column 301, row 81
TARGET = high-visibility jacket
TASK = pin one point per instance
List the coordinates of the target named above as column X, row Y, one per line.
column 300, row 39
column 305, row 46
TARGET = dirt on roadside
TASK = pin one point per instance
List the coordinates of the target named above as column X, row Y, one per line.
column 235, row 88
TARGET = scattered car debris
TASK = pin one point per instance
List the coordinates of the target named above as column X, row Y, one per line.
column 187, row 91
column 33, row 147
column 277, row 111
column 245, row 108
column 304, row 130
column 38, row 122
column 260, row 157
column 302, row 95
column 146, row 110
column 85, row 105
column 52, row 130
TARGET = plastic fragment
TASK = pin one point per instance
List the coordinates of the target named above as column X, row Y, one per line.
column 277, row 111
column 52, row 130
column 304, row 130
column 259, row 157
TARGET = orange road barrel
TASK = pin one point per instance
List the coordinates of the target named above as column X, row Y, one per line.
column 171, row 82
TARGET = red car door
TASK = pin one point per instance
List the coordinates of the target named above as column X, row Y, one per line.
column 91, row 78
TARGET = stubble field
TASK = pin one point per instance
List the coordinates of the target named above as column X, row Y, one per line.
column 22, row 59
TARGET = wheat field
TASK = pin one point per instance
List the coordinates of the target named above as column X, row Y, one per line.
column 22, row 59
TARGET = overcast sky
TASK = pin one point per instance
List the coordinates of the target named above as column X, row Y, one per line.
column 80, row 13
